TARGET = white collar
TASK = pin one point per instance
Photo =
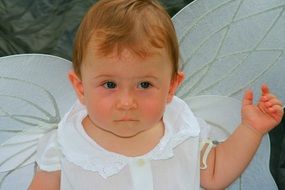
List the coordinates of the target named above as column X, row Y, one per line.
column 80, row 149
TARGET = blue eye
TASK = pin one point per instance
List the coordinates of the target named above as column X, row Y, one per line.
column 144, row 85
column 110, row 85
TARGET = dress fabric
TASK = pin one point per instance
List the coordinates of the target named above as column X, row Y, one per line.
column 174, row 163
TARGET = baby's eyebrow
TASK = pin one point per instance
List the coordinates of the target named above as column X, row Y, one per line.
column 135, row 77
column 103, row 76
column 147, row 77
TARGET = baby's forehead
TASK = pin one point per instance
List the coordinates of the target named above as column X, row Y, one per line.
column 127, row 52
column 134, row 62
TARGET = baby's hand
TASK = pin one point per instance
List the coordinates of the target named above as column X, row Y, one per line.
column 265, row 115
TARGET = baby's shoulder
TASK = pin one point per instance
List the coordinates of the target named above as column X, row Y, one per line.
column 48, row 152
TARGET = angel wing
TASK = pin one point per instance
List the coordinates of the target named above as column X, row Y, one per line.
column 230, row 45
column 32, row 102
column 227, row 46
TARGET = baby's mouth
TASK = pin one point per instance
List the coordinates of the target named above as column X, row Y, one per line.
column 126, row 120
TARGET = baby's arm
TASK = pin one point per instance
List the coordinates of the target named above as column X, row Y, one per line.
column 228, row 160
column 46, row 181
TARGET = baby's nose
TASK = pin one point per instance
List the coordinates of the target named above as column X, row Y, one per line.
column 126, row 101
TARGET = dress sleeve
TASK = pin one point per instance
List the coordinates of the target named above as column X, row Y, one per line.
column 49, row 155
column 206, row 144
column 205, row 129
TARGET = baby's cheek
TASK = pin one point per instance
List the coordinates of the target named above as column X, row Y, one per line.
column 100, row 109
column 154, row 110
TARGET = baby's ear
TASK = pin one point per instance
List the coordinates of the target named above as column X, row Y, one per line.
column 77, row 85
column 175, row 83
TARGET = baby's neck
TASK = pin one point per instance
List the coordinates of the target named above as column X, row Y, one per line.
column 137, row 145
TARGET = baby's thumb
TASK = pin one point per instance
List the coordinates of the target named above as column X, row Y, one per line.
column 247, row 98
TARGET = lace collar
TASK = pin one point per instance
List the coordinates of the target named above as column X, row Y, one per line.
column 81, row 150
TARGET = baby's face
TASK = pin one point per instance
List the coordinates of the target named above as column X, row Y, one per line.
column 126, row 94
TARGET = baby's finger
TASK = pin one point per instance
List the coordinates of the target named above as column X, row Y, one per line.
column 247, row 98
column 276, row 108
column 272, row 106
column 270, row 98
column 276, row 112
column 265, row 89
column 273, row 101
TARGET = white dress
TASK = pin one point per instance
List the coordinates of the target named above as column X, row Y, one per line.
column 173, row 164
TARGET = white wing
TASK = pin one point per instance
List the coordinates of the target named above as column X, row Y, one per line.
column 227, row 46
column 34, row 94
column 230, row 45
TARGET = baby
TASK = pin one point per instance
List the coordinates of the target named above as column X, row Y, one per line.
column 127, row 130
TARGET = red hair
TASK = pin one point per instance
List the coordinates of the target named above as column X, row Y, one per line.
column 138, row 25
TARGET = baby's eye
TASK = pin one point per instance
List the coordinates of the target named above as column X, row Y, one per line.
column 144, row 85
column 110, row 85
